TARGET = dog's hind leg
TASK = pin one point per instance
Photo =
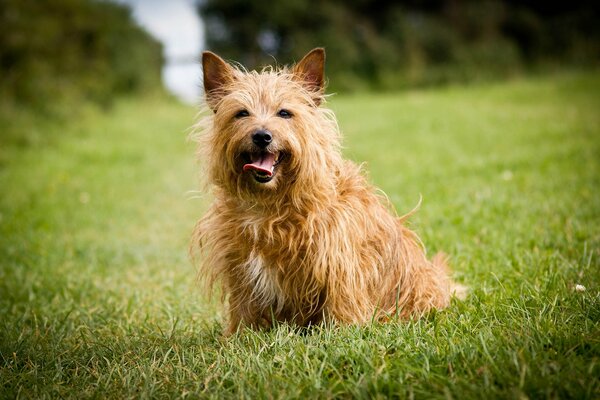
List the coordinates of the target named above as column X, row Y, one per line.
column 429, row 286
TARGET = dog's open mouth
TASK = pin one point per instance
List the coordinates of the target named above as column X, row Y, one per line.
column 261, row 164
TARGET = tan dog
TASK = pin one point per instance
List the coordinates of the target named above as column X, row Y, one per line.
column 295, row 232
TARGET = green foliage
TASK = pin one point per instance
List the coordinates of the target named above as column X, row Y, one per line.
column 389, row 45
column 61, row 53
column 97, row 295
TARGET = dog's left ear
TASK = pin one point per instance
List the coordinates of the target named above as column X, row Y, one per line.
column 311, row 70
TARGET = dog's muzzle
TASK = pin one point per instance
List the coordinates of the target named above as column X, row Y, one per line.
column 262, row 164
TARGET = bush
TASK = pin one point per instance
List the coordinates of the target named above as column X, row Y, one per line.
column 387, row 45
column 73, row 51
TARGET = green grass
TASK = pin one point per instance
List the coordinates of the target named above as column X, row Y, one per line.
column 98, row 297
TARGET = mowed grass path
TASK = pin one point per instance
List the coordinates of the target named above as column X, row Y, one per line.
column 98, row 297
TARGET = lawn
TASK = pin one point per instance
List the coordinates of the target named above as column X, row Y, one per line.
column 98, row 297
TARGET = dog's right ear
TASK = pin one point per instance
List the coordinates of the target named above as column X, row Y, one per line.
column 217, row 74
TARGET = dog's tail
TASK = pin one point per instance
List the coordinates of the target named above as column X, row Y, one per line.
column 409, row 214
column 440, row 260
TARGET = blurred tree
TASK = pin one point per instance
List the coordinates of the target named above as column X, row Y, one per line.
column 73, row 50
column 390, row 44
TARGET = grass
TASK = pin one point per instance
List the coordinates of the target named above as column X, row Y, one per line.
column 98, row 298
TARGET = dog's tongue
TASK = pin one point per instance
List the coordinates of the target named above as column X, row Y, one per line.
column 261, row 162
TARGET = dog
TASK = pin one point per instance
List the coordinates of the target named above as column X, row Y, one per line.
column 295, row 232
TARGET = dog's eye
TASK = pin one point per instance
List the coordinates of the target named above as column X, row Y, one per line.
column 284, row 114
column 242, row 114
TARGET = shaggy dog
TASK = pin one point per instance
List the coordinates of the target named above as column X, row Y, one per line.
column 295, row 232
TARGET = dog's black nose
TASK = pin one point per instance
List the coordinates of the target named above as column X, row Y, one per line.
column 262, row 138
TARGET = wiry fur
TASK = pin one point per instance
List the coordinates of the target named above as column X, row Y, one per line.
column 316, row 242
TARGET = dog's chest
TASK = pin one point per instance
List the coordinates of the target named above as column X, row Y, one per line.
column 264, row 283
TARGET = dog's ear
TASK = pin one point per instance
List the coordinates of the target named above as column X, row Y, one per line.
column 217, row 74
column 311, row 70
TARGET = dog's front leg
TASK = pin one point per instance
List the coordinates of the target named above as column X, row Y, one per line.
column 244, row 313
column 238, row 321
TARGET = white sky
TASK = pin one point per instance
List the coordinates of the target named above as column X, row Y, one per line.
column 177, row 25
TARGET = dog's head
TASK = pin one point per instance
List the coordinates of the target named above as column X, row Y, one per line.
column 268, row 134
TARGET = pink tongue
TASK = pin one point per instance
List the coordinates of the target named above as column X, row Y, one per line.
column 262, row 163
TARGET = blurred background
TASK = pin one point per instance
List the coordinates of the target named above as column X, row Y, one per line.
column 490, row 116
column 389, row 45
column 57, row 56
